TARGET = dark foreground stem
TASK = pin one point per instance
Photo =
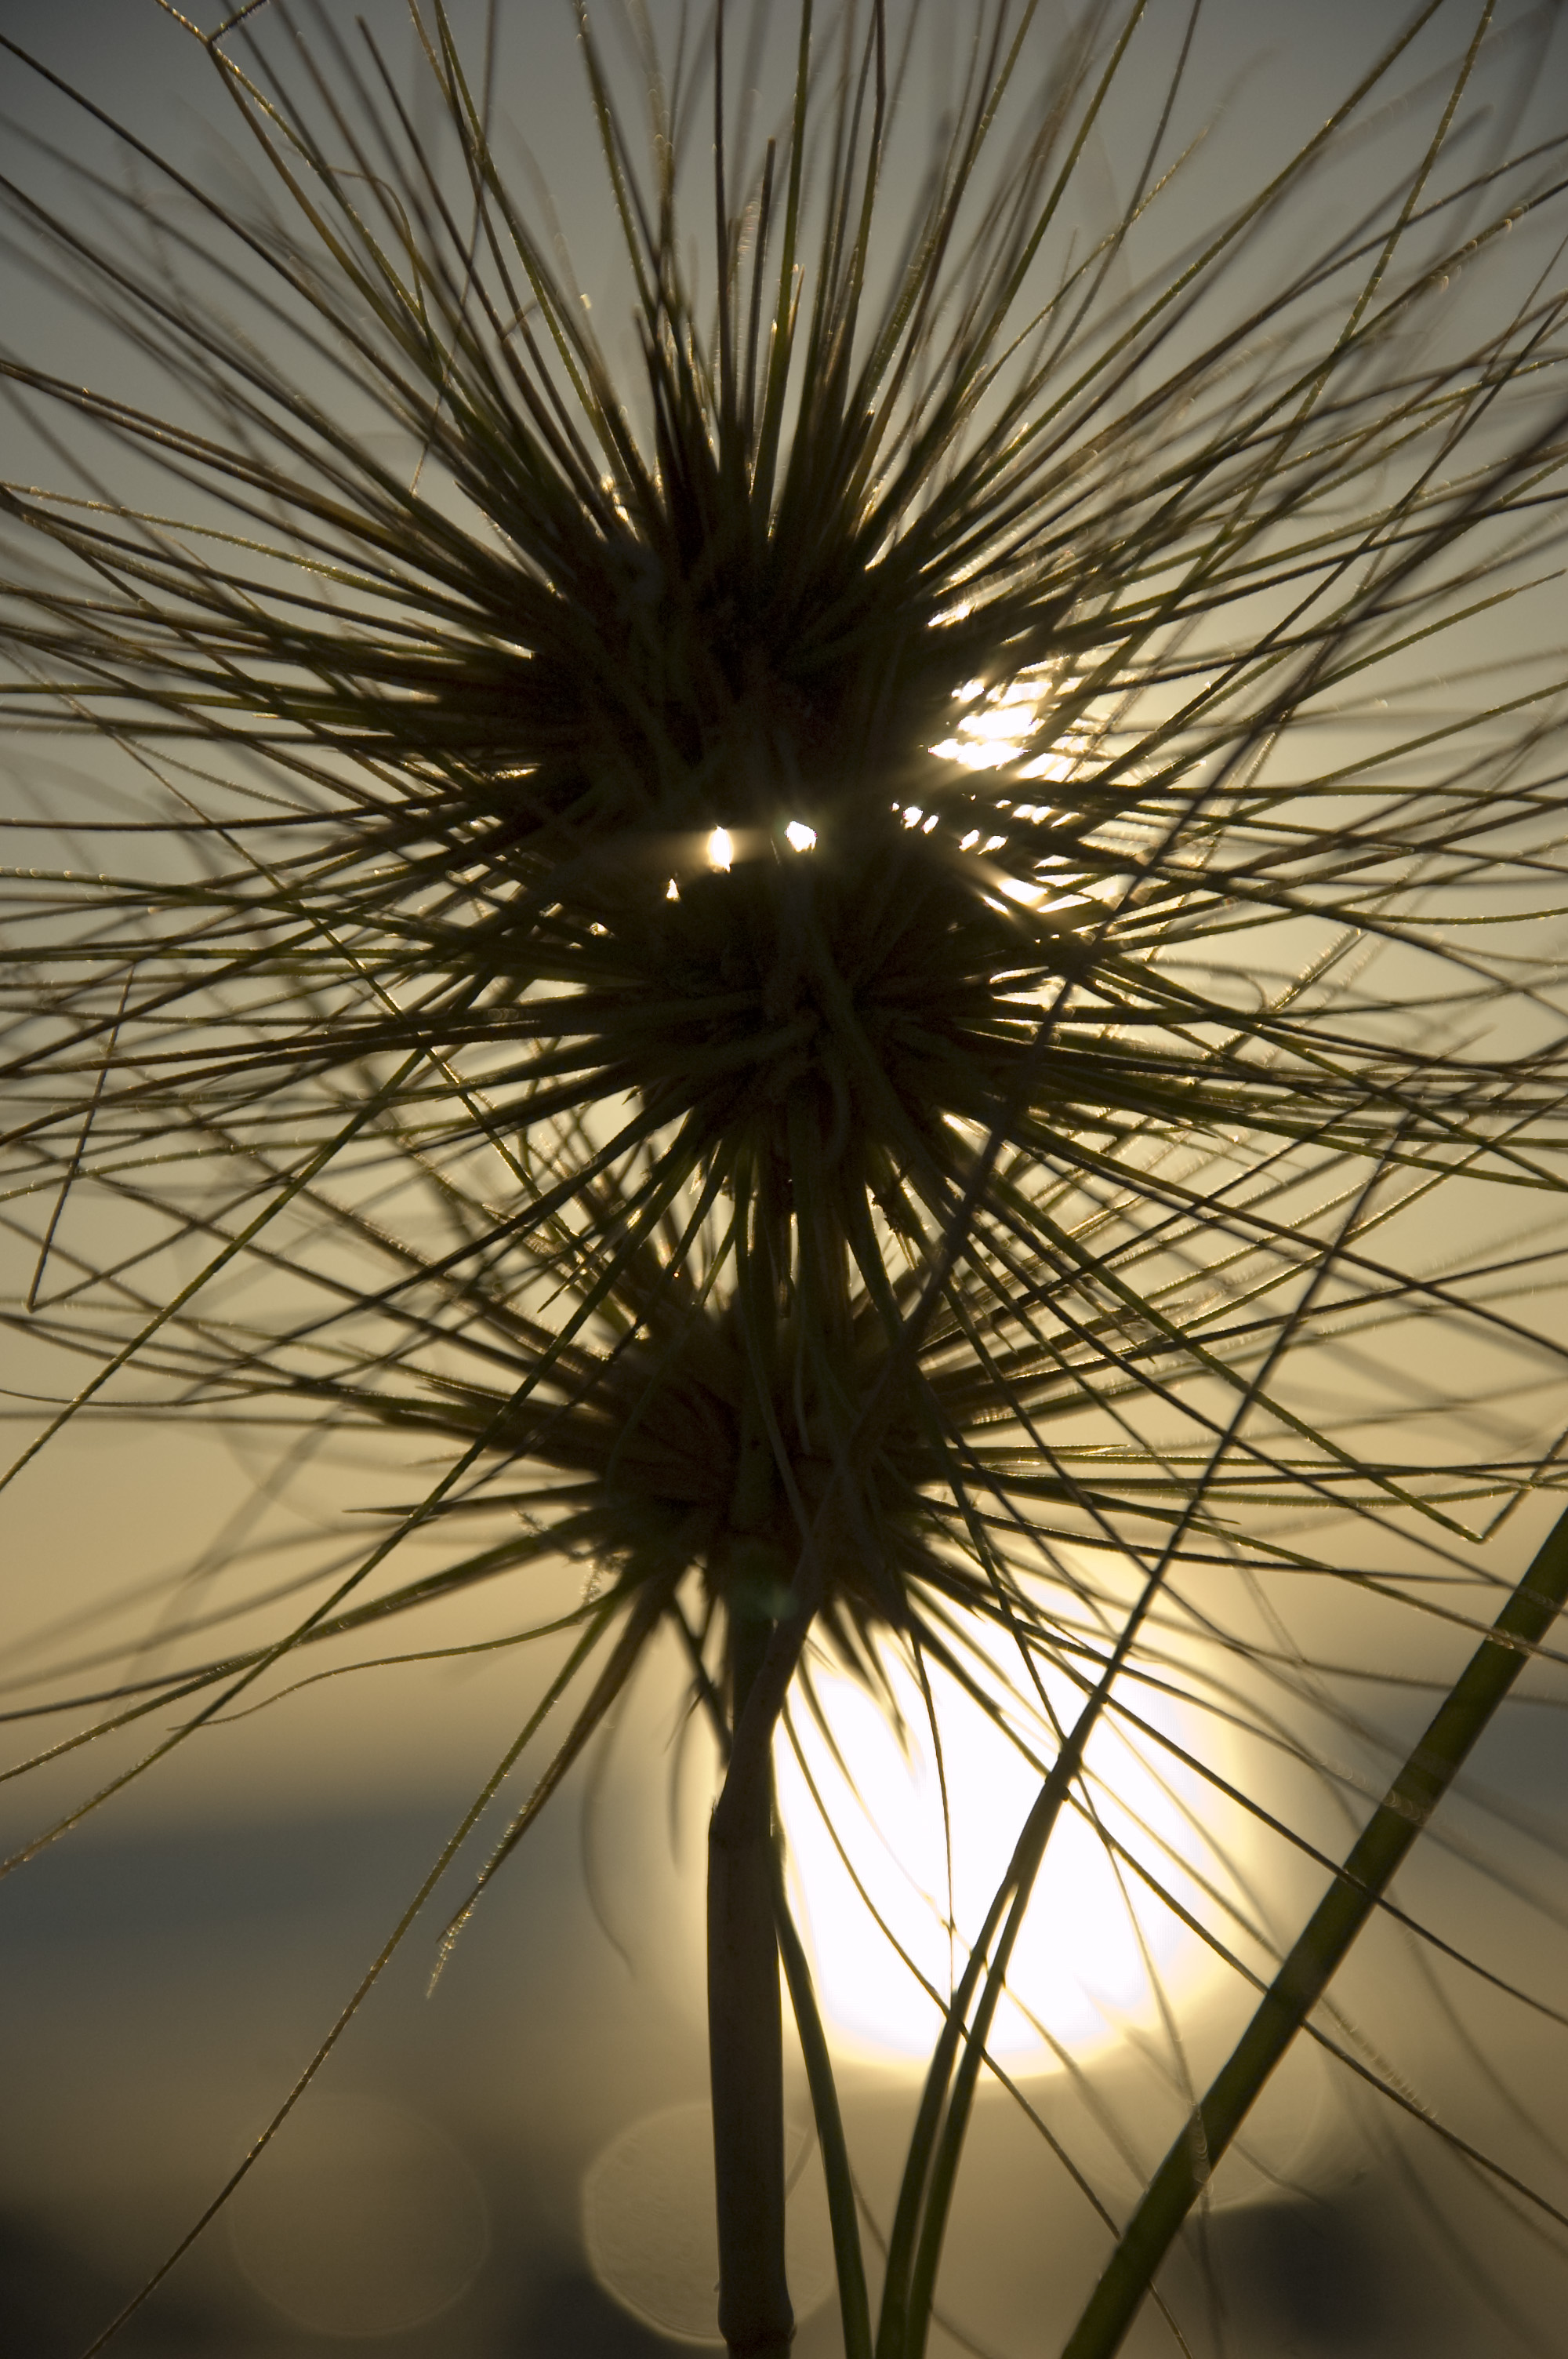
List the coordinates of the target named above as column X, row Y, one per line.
column 1339, row 1917
column 745, row 2042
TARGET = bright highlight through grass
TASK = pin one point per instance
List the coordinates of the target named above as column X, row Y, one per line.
column 1095, row 1940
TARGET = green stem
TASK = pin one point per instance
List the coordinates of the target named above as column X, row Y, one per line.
column 849, row 2260
column 745, row 2031
column 1306, row 1972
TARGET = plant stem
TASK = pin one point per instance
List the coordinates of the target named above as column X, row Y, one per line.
column 745, row 2033
column 849, row 2259
column 1306, row 1972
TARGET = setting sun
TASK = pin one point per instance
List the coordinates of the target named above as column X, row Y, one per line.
column 1095, row 1935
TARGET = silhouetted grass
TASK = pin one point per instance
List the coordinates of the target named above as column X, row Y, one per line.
column 894, row 972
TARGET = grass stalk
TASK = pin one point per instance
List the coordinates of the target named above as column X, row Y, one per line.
column 843, row 2211
column 1340, row 1915
column 745, row 2029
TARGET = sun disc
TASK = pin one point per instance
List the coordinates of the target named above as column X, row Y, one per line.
column 874, row 1843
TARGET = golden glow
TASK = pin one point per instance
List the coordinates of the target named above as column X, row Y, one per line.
column 998, row 727
column 802, row 837
column 995, row 731
column 720, row 848
column 1091, row 1939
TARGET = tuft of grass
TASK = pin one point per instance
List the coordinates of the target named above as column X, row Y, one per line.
column 895, row 966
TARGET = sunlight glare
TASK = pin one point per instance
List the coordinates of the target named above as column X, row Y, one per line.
column 999, row 725
column 1080, row 1970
